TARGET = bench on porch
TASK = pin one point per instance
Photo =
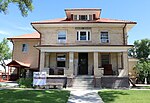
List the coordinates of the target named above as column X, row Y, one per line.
column 54, row 85
column 56, row 81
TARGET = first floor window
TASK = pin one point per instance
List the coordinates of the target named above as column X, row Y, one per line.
column 61, row 60
column 104, row 38
column 62, row 36
column 105, row 59
column 24, row 47
column 83, row 35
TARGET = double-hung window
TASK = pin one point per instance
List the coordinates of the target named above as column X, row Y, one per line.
column 83, row 35
column 104, row 37
column 24, row 48
column 62, row 36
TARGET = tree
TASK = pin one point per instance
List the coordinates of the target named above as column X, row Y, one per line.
column 143, row 69
column 23, row 5
column 141, row 49
column 5, row 53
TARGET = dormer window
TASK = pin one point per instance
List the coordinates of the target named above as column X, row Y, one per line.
column 83, row 17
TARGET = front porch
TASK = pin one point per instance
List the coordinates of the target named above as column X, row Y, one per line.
column 87, row 63
column 100, row 62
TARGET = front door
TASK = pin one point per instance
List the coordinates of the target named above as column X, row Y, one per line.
column 83, row 64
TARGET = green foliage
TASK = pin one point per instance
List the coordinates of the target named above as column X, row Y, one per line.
column 143, row 69
column 5, row 52
column 23, row 5
column 25, row 82
column 141, row 49
column 33, row 96
column 125, row 96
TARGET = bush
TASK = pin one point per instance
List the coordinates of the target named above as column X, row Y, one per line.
column 25, row 82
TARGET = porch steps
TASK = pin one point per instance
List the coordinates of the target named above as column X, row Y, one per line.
column 83, row 82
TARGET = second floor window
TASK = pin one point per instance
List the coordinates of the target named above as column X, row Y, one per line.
column 24, row 47
column 83, row 35
column 61, row 36
column 104, row 37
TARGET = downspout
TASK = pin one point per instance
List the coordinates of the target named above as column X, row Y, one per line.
column 40, row 44
column 13, row 48
column 124, row 37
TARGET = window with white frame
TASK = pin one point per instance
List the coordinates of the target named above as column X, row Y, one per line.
column 83, row 17
column 83, row 35
column 24, row 48
column 61, row 60
column 104, row 37
column 75, row 17
column 62, row 36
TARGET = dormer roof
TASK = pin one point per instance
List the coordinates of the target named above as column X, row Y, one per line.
column 83, row 11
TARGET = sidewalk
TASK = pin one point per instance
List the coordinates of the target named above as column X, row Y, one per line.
column 9, row 84
column 84, row 96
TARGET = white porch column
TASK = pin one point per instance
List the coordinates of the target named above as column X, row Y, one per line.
column 97, row 72
column 124, row 71
column 69, row 71
column 42, row 60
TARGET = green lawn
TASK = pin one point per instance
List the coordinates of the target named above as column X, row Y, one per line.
column 125, row 96
column 34, row 96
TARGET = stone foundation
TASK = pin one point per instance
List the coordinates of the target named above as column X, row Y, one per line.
column 114, row 82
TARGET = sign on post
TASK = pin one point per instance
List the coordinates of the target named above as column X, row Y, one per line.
column 39, row 78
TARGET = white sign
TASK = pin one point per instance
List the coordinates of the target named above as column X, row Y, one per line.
column 39, row 78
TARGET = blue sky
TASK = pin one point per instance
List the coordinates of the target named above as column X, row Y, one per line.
column 14, row 24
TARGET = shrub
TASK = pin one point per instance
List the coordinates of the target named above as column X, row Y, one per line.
column 25, row 82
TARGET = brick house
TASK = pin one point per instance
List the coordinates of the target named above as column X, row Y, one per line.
column 83, row 43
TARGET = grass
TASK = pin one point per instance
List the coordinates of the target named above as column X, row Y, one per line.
column 125, row 96
column 34, row 96
column 141, row 87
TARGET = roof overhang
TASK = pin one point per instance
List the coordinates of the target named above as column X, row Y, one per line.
column 84, row 48
column 15, row 63
column 86, row 24
column 95, row 11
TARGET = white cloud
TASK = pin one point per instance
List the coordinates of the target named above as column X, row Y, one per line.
column 25, row 28
column 2, row 32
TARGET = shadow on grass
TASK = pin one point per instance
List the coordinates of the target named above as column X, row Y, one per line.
column 109, row 96
column 33, row 96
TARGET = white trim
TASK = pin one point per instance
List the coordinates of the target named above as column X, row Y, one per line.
column 84, row 49
column 104, row 39
column 86, row 35
column 62, row 41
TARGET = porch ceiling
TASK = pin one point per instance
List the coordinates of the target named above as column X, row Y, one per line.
column 83, row 48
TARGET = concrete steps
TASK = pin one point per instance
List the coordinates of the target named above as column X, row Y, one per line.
column 83, row 82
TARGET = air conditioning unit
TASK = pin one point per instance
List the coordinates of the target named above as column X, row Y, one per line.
column 61, row 41
column 104, row 41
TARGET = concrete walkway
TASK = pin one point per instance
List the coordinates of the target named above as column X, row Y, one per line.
column 10, row 84
column 84, row 96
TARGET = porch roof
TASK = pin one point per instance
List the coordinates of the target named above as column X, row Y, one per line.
column 83, row 48
column 15, row 63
